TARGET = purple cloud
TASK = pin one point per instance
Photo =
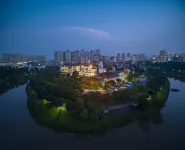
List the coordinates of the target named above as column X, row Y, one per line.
column 90, row 31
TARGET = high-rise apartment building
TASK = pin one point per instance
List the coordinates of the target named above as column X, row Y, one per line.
column 59, row 56
column 128, row 58
column 97, row 52
column 141, row 57
column 67, row 57
column 123, row 57
column 77, row 56
column 1, row 58
column 13, row 58
column 82, row 56
column 87, row 57
column 18, row 58
column 72, row 57
column 119, row 57
column 113, row 59
column 163, row 55
column 97, row 55
column 91, row 55
column 105, row 59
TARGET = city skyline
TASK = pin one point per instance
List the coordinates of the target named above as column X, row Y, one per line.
column 42, row 27
column 92, row 56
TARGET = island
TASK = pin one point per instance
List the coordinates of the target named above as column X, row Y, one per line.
column 80, row 104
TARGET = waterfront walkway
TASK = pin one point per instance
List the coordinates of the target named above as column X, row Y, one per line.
column 116, row 107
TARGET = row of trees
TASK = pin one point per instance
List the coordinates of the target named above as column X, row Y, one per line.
column 168, row 66
column 12, row 72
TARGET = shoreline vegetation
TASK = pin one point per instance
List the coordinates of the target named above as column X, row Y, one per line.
column 12, row 77
column 56, row 101
column 174, row 70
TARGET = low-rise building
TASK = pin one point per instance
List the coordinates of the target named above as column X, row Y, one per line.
column 84, row 70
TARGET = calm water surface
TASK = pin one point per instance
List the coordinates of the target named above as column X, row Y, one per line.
column 18, row 130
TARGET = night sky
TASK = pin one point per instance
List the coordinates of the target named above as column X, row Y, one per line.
column 135, row 26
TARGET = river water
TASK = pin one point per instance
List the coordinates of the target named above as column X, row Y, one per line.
column 18, row 130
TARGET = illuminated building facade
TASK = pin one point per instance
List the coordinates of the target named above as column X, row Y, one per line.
column 84, row 70
column 88, row 70
column 65, row 69
column 75, row 68
column 100, row 67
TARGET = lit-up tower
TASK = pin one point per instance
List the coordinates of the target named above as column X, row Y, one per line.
column 61, row 63
column 100, row 67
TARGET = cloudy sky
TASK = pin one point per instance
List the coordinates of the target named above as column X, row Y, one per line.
column 135, row 26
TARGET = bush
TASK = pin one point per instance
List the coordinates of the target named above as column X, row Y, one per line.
column 84, row 114
column 130, row 77
column 94, row 115
column 90, row 105
column 143, row 102
column 80, row 104
column 76, row 93
column 75, row 74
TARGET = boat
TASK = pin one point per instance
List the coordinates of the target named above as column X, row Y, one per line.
column 175, row 90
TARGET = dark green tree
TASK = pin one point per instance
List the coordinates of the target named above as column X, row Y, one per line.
column 80, row 104
column 130, row 77
column 75, row 74
column 90, row 105
column 112, row 82
column 84, row 114
column 118, row 80
column 143, row 102
column 94, row 115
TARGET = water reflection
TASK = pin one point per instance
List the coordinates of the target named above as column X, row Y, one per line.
column 8, row 85
column 144, row 122
column 84, row 136
column 157, row 118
